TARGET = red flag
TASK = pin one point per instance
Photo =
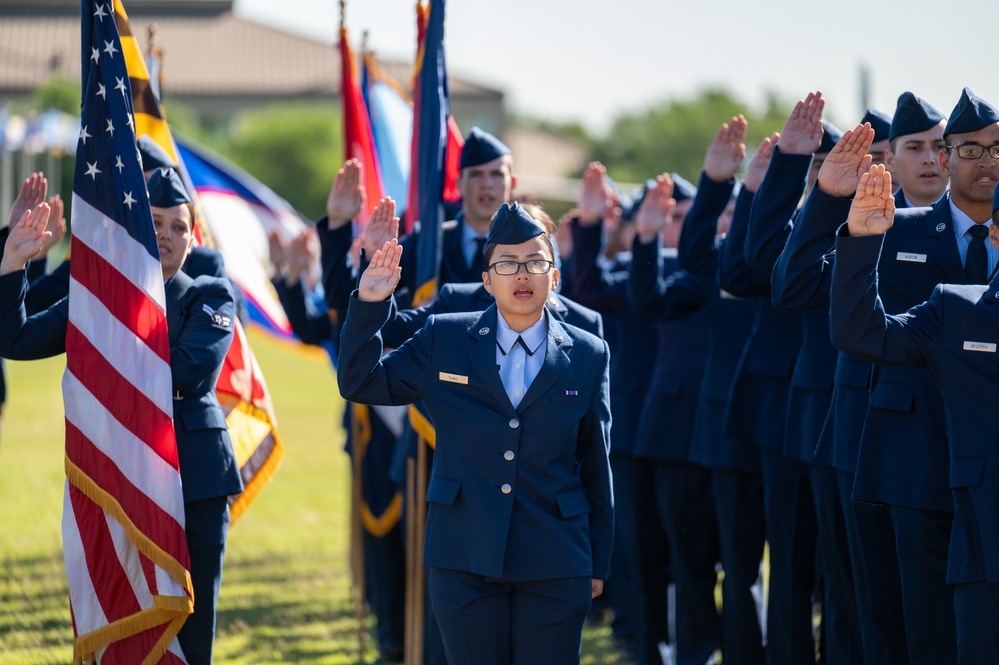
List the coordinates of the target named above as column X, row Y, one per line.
column 357, row 137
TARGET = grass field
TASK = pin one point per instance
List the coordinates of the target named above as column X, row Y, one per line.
column 286, row 593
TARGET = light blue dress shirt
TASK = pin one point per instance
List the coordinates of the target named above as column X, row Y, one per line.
column 962, row 223
column 517, row 368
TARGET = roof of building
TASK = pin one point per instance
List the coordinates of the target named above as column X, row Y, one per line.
column 216, row 54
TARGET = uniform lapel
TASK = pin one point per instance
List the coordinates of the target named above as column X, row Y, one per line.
column 482, row 355
column 943, row 245
column 556, row 363
column 174, row 294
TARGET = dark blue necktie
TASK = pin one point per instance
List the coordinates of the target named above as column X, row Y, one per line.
column 976, row 264
column 480, row 250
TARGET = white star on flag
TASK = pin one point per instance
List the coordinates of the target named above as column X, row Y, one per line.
column 118, row 164
column 92, row 170
column 110, row 49
column 100, row 13
column 120, row 84
column 129, row 200
column 84, row 135
column 95, row 54
column 110, row 127
column 102, row 92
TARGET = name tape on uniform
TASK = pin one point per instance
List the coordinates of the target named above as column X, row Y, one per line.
column 984, row 347
column 454, row 378
column 911, row 257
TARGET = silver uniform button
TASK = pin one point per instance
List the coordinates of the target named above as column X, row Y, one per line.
column 514, row 423
column 506, row 489
column 508, row 455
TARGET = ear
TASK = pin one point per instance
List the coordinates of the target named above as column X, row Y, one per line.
column 994, row 232
column 513, row 182
column 556, row 277
column 486, row 283
column 944, row 159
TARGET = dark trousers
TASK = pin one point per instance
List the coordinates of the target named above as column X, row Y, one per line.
column 840, row 627
column 871, row 538
column 654, row 574
column 485, row 621
column 207, row 529
column 686, row 510
column 923, row 539
column 976, row 607
column 738, row 498
column 622, row 588
column 791, row 533
column 385, row 579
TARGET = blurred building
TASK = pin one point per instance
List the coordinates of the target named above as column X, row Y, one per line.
column 218, row 63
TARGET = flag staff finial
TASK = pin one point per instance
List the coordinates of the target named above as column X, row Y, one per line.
column 343, row 12
column 364, row 43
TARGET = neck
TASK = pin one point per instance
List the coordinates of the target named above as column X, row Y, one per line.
column 521, row 322
column 980, row 212
column 481, row 226
column 920, row 201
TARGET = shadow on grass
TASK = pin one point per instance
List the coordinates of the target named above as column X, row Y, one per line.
column 273, row 609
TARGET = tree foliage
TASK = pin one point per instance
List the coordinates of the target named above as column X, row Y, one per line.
column 673, row 136
column 293, row 149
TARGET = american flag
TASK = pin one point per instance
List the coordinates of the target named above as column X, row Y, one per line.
column 123, row 521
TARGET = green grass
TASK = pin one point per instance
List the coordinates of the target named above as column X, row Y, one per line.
column 286, row 594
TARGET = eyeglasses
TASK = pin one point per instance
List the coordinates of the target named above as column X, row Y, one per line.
column 535, row 267
column 974, row 151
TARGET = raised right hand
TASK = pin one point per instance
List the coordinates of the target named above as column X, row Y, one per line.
column 382, row 226
column 726, row 152
column 654, row 214
column 379, row 279
column 873, row 209
column 32, row 193
column 760, row 162
column 595, row 197
column 847, row 162
column 26, row 239
column 346, row 196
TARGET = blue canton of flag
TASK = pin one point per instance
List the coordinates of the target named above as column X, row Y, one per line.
column 108, row 170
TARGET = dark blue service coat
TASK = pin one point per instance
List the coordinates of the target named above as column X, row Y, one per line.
column 515, row 493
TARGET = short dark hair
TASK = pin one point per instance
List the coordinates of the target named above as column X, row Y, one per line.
column 491, row 248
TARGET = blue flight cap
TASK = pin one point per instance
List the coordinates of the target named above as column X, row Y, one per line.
column 512, row 226
column 830, row 137
column 153, row 155
column 682, row 189
column 880, row 123
column 481, row 147
column 913, row 115
column 971, row 114
column 166, row 189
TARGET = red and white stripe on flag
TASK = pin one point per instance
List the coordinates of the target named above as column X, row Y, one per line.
column 123, row 523
column 124, row 544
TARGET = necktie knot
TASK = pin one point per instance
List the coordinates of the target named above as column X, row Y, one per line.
column 979, row 231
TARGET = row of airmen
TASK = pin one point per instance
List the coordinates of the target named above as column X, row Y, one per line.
column 750, row 427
